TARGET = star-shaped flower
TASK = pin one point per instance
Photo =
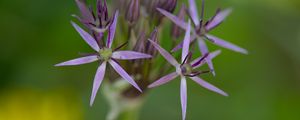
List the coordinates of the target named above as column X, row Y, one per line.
column 105, row 55
column 200, row 30
column 185, row 70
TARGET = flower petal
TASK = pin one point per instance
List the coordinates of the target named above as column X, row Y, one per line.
column 112, row 30
column 186, row 42
column 179, row 46
column 194, row 12
column 218, row 18
column 173, row 18
column 124, row 74
column 208, row 86
column 165, row 54
column 163, row 80
column 129, row 55
column 79, row 61
column 226, row 44
column 203, row 49
column 87, row 37
column 211, row 56
column 183, row 96
column 97, row 81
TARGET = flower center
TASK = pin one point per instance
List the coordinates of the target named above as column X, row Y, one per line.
column 186, row 69
column 201, row 31
column 105, row 53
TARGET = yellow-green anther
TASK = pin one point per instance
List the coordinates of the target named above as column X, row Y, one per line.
column 186, row 69
column 105, row 53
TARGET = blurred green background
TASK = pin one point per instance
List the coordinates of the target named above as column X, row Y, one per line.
column 264, row 85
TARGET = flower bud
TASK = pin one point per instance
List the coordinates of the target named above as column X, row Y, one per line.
column 149, row 47
column 168, row 5
column 102, row 14
column 152, row 5
column 140, row 43
column 86, row 13
column 133, row 11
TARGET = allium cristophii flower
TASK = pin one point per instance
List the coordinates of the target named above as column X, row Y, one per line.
column 105, row 55
column 201, row 29
column 185, row 70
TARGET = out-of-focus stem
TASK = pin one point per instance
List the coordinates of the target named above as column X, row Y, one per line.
column 121, row 108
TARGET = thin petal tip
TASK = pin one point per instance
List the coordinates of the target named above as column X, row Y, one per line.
column 148, row 56
column 151, row 86
column 218, row 52
column 91, row 103
column 57, row 65
column 159, row 9
column 245, row 52
column 73, row 23
column 225, row 94
column 213, row 72
column 139, row 89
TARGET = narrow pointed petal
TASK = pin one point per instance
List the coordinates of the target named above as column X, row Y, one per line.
column 87, row 37
column 203, row 49
column 165, row 54
column 211, row 55
column 194, row 12
column 176, row 48
column 129, row 55
column 79, row 61
column 173, row 18
column 179, row 46
column 112, row 30
column 183, row 96
column 186, row 42
column 97, row 81
column 218, row 18
column 85, row 11
column 163, row 80
column 124, row 74
column 226, row 44
column 208, row 86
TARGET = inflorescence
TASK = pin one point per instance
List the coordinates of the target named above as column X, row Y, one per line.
column 137, row 18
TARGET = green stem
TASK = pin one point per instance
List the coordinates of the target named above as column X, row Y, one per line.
column 121, row 108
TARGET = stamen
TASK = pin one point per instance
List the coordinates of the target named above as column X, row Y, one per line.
column 187, row 58
column 202, row 10
column 193, row 74
column 121, row 46
column 201, row 59
column 209, row 39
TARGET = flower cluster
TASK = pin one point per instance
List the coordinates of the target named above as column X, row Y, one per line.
column 142, row 17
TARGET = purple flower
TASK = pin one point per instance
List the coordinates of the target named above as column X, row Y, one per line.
column 185, row 70
column 105, row 55
column 200, row 31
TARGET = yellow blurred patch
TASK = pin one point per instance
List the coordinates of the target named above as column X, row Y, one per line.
column 33, row 105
